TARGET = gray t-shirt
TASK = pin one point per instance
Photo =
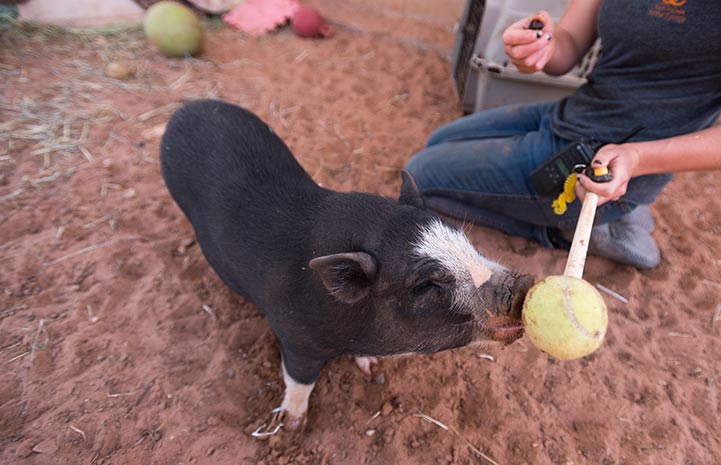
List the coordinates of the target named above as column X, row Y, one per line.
column 660, row 66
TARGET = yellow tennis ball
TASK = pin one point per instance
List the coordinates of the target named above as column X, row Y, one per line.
column 173, row 28
column 565, row 317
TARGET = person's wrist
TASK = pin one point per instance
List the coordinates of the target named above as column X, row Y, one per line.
column 634, row 153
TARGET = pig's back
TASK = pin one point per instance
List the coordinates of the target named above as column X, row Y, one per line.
column 240, row 186
column 209, row 143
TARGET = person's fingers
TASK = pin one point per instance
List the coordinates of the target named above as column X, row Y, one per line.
column 527, row 55
column 580, row 191
column 516, row 37
column 519, row 34
column 603, row 158
column 530, row 49
column 544, row 17
column 547, row 54
column 615, row 157
column 535, row 60
column 612, row 190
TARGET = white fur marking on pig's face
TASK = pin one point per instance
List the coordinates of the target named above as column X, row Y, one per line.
column 295, row 400
column 452, row 248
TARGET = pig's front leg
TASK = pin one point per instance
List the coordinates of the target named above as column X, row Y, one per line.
column 300, row 372
column 295, row 402
column 299, row 375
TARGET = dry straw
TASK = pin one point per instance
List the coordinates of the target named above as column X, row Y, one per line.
column 445, row 427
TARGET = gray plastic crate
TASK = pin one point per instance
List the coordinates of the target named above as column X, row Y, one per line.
column 481, row 70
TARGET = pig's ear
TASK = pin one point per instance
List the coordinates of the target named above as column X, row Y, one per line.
column 347, row 276
column 410, row 194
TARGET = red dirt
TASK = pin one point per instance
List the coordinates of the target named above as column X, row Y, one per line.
column 119, row 345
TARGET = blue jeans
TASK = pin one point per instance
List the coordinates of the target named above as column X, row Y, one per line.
column 476, row 169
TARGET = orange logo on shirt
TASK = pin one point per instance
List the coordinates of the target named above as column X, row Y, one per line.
column 669, row 10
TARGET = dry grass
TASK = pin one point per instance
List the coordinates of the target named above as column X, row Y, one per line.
column 56, row 126
column 38, row 32
column 445, row 427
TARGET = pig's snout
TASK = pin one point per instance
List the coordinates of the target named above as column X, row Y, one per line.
column 519, row 289
column 509, row 291
column 486, row 298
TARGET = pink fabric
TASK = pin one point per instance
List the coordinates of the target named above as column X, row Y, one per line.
column 256, row 17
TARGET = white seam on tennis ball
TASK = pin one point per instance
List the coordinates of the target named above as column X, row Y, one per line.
column 571, row 315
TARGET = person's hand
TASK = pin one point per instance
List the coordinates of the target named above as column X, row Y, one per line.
column 622, row 161
column 529, row 49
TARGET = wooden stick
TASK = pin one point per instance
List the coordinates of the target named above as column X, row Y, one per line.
column 582, row 235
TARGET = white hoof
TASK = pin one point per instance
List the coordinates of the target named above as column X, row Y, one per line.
column 365, row 364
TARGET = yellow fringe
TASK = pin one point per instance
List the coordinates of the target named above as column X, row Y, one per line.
column 567, row 196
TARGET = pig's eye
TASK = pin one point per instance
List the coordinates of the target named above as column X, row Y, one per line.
column 425, row 286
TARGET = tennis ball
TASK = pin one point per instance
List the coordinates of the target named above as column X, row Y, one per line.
column 565, row 317
column 173, row 28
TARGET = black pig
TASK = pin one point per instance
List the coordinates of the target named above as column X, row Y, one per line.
column 334, row 273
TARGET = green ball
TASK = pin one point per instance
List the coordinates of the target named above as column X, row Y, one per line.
column 174, row 29
column 565, row 317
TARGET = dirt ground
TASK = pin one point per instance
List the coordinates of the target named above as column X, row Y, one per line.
column 119, row 345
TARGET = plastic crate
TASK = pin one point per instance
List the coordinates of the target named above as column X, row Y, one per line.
column 482, row 72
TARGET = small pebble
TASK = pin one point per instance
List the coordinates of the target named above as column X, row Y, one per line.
column 185, row 244
column 388, row 435
column 370, row 432
column 380, row 379
column 155, row 132
column 48, row 446
column 386, row 409
column 119, row 70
